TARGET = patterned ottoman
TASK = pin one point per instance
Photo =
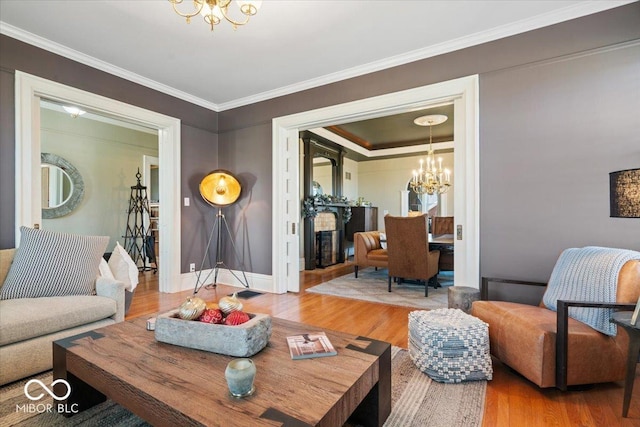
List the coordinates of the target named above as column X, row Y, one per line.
column 449, row 345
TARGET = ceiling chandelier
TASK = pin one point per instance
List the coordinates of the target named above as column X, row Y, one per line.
column 213, row 11
column 430, row 178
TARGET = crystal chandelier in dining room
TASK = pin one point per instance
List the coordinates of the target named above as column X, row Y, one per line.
column 213, row 11
column 431, row 178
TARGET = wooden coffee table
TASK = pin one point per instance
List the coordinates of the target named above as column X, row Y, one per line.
column 171, row 385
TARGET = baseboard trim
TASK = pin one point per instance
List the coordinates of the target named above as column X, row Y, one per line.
column 257, row 282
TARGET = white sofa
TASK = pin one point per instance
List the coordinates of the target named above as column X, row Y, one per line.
column 28, row 326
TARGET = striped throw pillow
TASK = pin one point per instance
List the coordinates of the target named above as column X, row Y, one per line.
column 53, row 264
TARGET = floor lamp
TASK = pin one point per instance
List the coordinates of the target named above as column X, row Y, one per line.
column 219, row 189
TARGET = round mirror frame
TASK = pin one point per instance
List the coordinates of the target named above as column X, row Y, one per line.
column 77, row 192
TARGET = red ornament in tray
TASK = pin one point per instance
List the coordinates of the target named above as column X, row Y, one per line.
column 212, row 315
column 236, row 318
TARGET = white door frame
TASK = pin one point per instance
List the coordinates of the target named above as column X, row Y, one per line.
column 147, row 163
column 285, row 244
column 463, row 92
column 29, row 90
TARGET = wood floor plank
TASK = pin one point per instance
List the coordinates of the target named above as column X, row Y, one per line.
column 511, row 400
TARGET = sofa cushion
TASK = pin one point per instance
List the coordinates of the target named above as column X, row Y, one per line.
column 378, row 255
column 123, row 268
column 53, row 264
column 25, row 318
column 104, row 270
column 383, row 240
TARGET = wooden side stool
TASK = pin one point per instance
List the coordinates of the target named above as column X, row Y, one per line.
column 462, row 297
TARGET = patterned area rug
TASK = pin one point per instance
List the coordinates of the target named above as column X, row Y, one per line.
column 417, row 401
column 372, row 285
column 13, row 412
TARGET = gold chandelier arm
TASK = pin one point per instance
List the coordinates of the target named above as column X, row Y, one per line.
column 215, row 10
column 231, row 20
column 198, row 4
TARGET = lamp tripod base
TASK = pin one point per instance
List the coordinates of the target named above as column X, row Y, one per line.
column 217, row 227
column 217, row 268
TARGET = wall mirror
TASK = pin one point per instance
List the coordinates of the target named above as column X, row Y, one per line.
column 323, row 173
column 323, row 162
column 62, row 186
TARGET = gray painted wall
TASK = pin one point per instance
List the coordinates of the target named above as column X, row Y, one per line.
column 550, row 135
column 245, row 153
column 199, row 128
column 576, row 187
column 7, row 162
column 560, row 91
column 199, row 157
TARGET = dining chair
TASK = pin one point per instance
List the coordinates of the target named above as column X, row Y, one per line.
column 443, row 225
column 409, row 257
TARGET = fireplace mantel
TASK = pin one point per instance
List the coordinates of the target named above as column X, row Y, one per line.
column 316, row 146
column 311, row 256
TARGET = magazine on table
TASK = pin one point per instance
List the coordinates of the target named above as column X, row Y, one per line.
column 305, row 346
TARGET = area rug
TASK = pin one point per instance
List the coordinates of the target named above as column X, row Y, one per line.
column 417, row 401
column 372, row 285
column 13, row 412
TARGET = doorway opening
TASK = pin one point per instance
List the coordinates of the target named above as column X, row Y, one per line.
column 463, row 93
column 29, row 91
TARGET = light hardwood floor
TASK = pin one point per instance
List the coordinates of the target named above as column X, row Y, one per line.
column 511, row 400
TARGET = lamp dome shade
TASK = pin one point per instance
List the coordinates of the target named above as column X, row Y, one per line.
column 220, row 188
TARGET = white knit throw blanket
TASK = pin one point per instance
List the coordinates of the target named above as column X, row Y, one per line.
column 588, row 274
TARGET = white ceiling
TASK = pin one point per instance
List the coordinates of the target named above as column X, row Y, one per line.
column 288, row 46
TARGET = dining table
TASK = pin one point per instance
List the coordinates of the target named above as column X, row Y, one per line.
column 441, row 239
column 443, row 243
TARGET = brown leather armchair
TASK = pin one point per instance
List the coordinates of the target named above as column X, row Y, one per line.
column 368, row 251
column 551, row 349
column 408, row 250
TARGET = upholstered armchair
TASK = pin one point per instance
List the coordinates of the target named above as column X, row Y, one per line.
column 567, row 339
column 443, row 225
column 368, row 250
column 408, row 250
